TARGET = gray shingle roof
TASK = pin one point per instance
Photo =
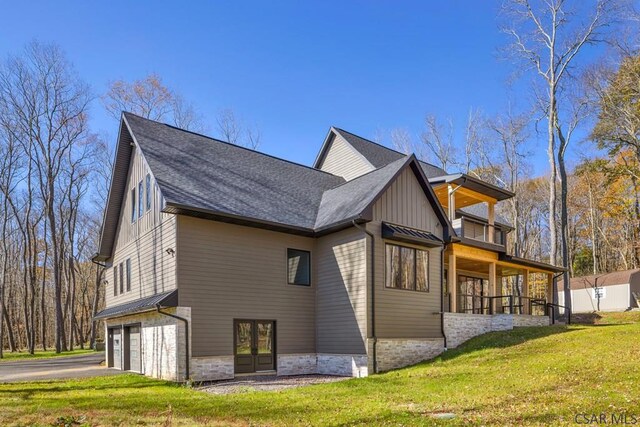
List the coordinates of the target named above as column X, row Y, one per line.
column 197, row 171
column 350, row 199
column 379, row 155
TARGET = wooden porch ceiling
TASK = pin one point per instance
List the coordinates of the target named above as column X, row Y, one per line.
column 463, row 196
column 479, row 260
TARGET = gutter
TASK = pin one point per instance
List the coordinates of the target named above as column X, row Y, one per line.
column 373, row 294
column 186, row 330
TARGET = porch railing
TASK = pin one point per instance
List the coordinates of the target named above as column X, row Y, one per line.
column 500, row 304
column 551, row 312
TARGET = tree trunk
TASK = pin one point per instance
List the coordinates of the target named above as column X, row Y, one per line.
column 96, row 301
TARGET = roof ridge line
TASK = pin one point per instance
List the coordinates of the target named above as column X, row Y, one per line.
column 231, row 144
column 385, row 147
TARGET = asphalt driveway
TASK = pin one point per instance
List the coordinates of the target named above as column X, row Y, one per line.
column 82, row 366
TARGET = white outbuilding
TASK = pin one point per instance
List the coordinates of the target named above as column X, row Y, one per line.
column 616, row 291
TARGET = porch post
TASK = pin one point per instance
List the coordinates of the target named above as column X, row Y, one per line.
column 452, row 203
column 493, row 286
column 491, row 214
column 452, row 277
column 525, row 292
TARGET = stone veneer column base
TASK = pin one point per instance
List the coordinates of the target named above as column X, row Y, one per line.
column 212, row 368
column 350, row 365
column 400, row 352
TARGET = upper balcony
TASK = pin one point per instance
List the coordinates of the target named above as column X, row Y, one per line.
column 460, row 193
column 472, row 228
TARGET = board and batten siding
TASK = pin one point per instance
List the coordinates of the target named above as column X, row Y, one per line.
column 228, row 272
column 405, row 313
column 144, row 242
column 342, row 292
column 343, row 160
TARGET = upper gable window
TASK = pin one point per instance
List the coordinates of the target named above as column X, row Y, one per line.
column 407, row 268
column 128, row 274
column 148, row 193
column 298, row 267
column 133, row 205
column 140, row 200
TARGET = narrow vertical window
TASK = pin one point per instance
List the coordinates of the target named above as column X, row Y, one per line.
column 148, row 191
column 115, row 280
column 133, row 205
column 121, row 279
column 140, row 200
column 128, row 274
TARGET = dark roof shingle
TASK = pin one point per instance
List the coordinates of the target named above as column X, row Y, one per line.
column 379, row 155
column 197, row 171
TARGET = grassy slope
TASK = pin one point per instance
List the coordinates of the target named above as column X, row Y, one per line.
column 39, row 354
column 531, row 376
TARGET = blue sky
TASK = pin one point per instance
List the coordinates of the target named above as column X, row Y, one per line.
column 292, row 68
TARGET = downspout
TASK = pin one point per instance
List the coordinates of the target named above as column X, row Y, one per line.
column 186, row 331
column 444, row 336
column 373, row 294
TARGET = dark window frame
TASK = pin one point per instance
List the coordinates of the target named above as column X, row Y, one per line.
column 115, row 280
column 121, row 278
column 134, row 201
column 308, row 284
column 140, row 199
column 128, row 274
column 148, row 192
column 414, row 287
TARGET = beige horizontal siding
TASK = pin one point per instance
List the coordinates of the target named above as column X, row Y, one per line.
column 344, row 160
column 144, row 242
column 342, row 289
column 404, row 313
column 228, row 272
column 153, row 270
column 127, row 231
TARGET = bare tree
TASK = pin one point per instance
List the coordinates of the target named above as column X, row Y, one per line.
column 152, row 99
column 48, row 105
column 438, row 142
column 401, row 141
column 548, row 36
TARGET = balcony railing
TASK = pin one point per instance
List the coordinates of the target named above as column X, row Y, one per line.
column 500, row 304
column 477, row 230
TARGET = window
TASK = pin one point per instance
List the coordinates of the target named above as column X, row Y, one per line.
column 121, row 279
column 298, row 267
column 407, row 268
column 133, row 205
column 128, row 263
column 115, row 281
column 140, row 200
column 148, row 193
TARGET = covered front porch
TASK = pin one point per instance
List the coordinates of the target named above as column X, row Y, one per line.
column 483, row 282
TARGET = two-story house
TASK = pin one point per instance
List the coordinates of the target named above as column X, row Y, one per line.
column 224, row 261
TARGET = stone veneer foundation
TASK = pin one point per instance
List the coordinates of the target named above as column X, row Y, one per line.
column 162, row 342
column 460, row 327
column 398, row 353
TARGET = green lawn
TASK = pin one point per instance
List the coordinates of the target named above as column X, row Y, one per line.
column 531, row 376
column 39, row 354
